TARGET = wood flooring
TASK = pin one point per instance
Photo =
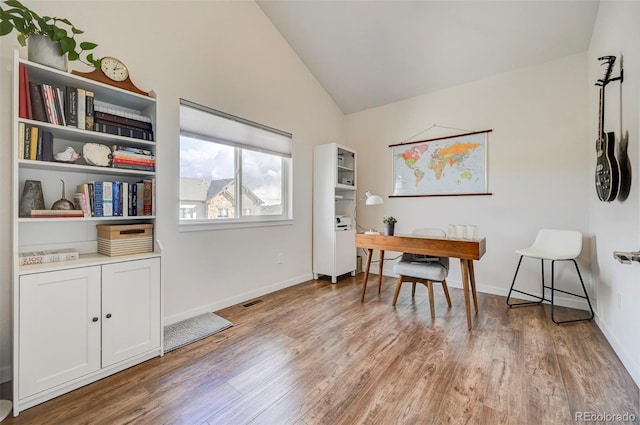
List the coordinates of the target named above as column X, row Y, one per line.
column 314, row 354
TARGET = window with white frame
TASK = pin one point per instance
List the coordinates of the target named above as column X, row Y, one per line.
column 232, row 170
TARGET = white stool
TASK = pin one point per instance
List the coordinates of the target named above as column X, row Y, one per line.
column 554, row 245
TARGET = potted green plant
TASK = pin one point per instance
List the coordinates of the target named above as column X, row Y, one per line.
column 389, row 224
column 55, row 35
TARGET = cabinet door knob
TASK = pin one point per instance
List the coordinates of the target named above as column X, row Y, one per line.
column 95, row 319
column 109, row 316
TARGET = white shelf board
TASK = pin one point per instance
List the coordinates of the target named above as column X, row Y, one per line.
column 75, row 168
column 76, row 219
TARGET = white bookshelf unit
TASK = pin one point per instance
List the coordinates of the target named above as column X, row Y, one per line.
column 334, row 192
column 75, row 322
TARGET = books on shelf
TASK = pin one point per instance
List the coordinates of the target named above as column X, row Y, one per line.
column 116, row 198
column 23, row 86
column 140, row 151
column 114, row 121
column 34, row 143
column 108, row 199
column 125, row 121
column 88, row 110
column 37, row 102
column 56, row 213
column 81, row 202
column 121, row 130
column 71, row 106
column 147, row 198
column 82, row 108
column 43, row 257
column 132, row 158
column 77, row 107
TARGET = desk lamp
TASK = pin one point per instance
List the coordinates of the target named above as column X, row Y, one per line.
column 371, row 199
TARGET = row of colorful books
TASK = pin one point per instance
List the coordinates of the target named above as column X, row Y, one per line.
column 66, row 106
column 34, row 143
column 116, row 198
column 43, row 257
column 76, row 107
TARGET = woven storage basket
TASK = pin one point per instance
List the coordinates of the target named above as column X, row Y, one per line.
column 125, row 239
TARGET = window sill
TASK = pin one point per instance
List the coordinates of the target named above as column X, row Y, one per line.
column 202, row 225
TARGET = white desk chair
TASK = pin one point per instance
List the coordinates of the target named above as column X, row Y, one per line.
column 554, row 245
column 424, row 269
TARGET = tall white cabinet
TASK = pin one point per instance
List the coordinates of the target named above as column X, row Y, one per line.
column 78, row 321
column 334, row 192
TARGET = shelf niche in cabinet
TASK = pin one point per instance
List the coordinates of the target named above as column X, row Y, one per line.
column 345, row 168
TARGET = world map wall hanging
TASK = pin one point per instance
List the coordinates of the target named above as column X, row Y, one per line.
column 445, row 166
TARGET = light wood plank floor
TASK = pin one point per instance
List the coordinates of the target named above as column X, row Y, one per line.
column 313, row 354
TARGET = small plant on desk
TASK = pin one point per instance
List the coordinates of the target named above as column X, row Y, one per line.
column 389, row 220
column 389, row 224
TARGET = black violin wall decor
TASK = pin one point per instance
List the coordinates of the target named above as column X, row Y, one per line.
column 607, row 169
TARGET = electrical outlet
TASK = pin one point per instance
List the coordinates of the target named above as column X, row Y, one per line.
column 280, row 258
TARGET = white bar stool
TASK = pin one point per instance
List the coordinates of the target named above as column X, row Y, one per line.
column 554, row 245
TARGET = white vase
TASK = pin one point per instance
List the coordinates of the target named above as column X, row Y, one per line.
column 40, row 49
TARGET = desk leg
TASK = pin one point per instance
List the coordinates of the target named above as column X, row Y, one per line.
column 366, row 273
column 380, row 270
column 472, row 276
column 464, row 267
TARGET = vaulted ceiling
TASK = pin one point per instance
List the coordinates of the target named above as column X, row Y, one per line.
column 371, row 53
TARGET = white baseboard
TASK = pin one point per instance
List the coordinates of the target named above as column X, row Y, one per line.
column 629, row 361
column 227, row 302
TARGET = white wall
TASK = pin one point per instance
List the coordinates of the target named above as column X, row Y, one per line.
column 616, row 224
column 226, row 55
column 538, row 164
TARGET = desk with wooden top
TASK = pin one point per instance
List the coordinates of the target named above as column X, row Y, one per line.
column 466, row 250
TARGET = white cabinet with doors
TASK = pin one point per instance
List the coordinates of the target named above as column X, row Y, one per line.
column 334, row 192
column 83, row 323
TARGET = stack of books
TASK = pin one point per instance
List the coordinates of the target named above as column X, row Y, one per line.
column 121, row 123
column 133, row 158
column 42, row 257
column 56, row 213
